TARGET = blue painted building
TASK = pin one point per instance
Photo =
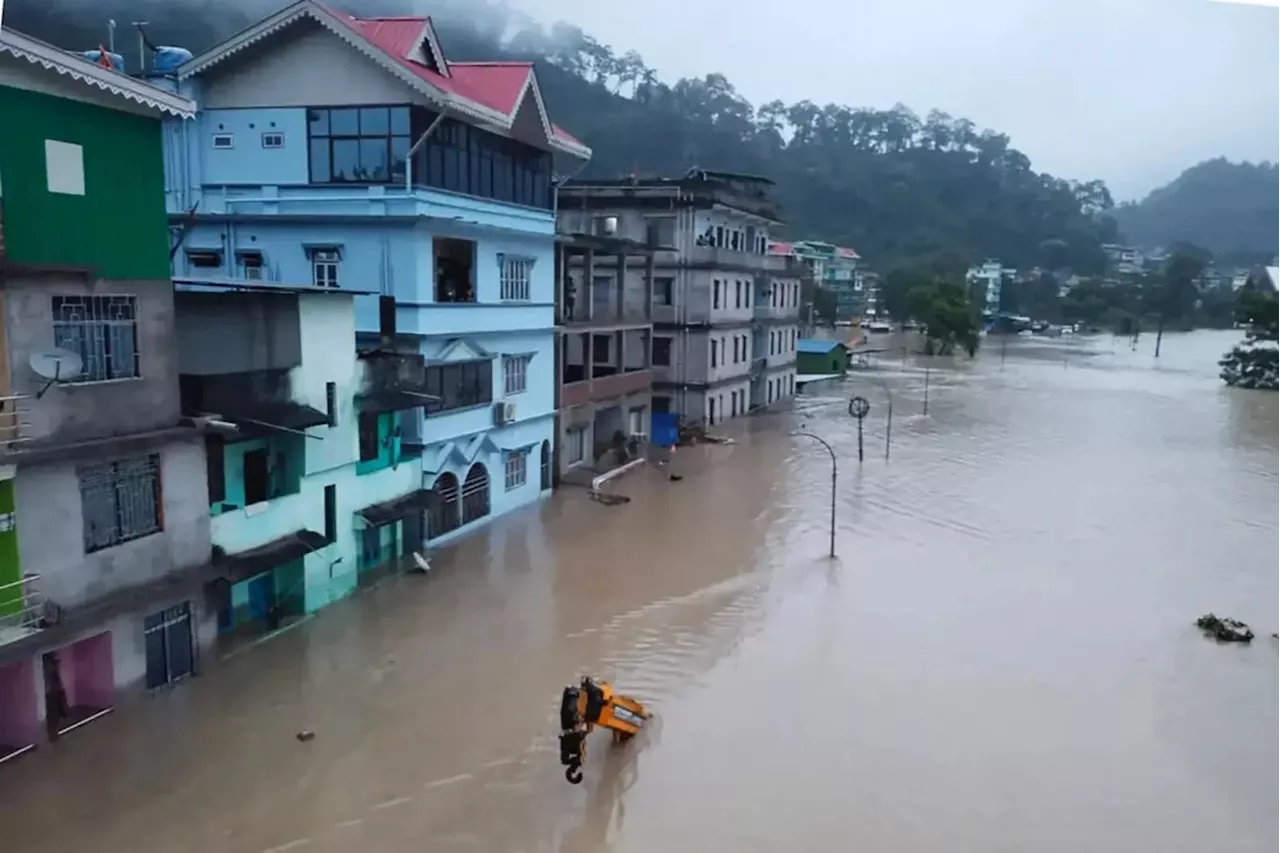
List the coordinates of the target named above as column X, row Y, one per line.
column 334, row 155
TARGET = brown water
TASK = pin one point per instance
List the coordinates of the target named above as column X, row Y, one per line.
column 1001, row 659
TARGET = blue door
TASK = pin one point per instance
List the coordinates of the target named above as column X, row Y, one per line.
column 262, row 595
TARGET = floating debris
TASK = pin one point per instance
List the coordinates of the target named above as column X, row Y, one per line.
column 607, row 498
column 304, row 736
column 1224, row 630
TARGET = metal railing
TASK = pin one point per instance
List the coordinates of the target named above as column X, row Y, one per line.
column 23, row 608
column 14, row 425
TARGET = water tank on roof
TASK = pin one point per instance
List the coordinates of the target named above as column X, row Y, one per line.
column 95, row 56
column 169, row 58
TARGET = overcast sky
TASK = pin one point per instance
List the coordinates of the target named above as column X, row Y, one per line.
column 1130, row 91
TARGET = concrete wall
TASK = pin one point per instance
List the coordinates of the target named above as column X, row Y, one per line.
column 236, row 332
column 47, row 498
column 81, row 411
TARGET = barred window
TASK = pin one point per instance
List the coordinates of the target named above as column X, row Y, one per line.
column 515, row 373
column 120, row 501
column 516, row 274
column 517, row 468
column 102, row 330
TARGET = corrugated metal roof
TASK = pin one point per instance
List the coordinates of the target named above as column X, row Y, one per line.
column 814, row 346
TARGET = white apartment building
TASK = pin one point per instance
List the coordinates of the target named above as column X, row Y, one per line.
column 725, row 312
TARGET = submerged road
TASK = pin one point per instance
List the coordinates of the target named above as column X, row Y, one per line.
column 1001, row 659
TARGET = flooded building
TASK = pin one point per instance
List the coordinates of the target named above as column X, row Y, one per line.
column 103, row 535
column 835, row 268
column 725, row 312
column 604, row 304
column 347, row 154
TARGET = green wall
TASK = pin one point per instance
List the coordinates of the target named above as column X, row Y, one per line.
column 10, row 570
column 119, row 226
column 286, row 481
column 835, row 361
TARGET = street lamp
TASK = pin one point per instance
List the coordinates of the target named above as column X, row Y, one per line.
column 834, row 474
column 888, row 423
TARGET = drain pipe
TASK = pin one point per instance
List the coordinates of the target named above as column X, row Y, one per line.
column 408, row 160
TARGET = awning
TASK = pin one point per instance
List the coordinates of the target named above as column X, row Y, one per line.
column 262, row 419
column 286, row 549
column 391, row 401
column 396, row 509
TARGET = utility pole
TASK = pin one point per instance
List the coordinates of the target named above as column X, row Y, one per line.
column 142, row 45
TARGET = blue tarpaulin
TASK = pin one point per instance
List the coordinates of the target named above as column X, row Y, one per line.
column 665, row 429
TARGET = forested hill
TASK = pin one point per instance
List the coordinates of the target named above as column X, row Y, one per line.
column 891, row 184
column 1228, row 208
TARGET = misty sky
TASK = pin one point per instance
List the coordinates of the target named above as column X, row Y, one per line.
column 1130, row 91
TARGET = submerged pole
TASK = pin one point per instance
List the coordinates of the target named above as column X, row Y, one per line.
column 834, row 476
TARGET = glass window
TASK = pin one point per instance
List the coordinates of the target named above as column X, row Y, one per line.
column 346, row 159
column 319, row 122
column 373, row 160
column 375, row 121
column 399, row 156
column 399, row 117
column 344, row 122
column 320, row 161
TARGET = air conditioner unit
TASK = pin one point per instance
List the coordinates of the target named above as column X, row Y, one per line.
column 504, row 413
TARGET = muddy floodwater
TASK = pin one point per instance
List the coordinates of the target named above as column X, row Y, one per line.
column 1002, row 658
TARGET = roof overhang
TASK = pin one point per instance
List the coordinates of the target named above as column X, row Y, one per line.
column 345, row 29
column 59, row 61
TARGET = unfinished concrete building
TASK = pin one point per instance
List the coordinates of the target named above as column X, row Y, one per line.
column 604, row 308
column 725, row 312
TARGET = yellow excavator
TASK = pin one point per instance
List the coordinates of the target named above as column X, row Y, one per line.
column 593, row 703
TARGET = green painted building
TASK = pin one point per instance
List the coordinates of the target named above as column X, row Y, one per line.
column 821, row 357
column 82, row 165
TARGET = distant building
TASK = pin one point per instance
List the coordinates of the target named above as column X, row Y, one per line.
column 867, row 283
column 821, row 357
column 1124, row 260
column 104, row 529
column 834, row 267
column 725, row 309
column 986, row 283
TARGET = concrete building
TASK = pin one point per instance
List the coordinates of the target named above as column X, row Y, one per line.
column 986, row 283
column 725, row 311
column 393, row 174
column 103, row 532
column 1124, row 260
column 835, row 268
column 604, row 302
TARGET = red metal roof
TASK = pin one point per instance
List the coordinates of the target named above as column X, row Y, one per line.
column 847, row 253
column 777, row 248
column 494, row 85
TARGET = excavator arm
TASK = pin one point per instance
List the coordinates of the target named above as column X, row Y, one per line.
column 590, row 704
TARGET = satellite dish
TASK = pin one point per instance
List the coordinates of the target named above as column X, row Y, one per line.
column 56, row 365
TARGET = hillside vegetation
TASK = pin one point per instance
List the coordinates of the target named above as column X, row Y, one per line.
column 893, row 184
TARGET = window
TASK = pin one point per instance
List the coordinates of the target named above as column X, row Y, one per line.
column 324, row 267
column 368, row 145
column 250, row 265
column 661, row 405
column 737, row 342
column 475, row 494
column 442, row 511
column 576, row 445
column 714, row 345
column 461, row 158
column 600, row 349
column 711, row 410
column 224, row 141
column 733, row 241
column 459, row 385
column 737, row 294
column 635, row 422
column 120, row 501
column 720, row 236
column 515, row 273
column 63, row 167
column 204, row 259
column 664, row 290
column 662, row 352
column 370, row 446
column 103, row 331
column 715, row 293
column 455, row 281
column 273, row 139
column 517, row 468
column 515, row 373
column 661, row 231
column 733, row 404
column 331, row 513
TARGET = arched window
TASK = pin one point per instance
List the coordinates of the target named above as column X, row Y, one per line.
column 442, row 515
column 546, row 465
column 475, row 494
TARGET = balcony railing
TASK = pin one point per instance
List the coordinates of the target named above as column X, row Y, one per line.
column 23, row 609
column 630, row 315
column 14, row 424
column 605, row 387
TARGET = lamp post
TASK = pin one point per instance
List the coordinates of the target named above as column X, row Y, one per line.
column 888, row 422
column 834, row 474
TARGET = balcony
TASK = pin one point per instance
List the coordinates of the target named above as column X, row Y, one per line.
column 239, row 530
column 15, row 423
column 603, row 317
column 720, row 257
column 604, row 387
column 393, row 382
column 23, row 609
column 758, row 365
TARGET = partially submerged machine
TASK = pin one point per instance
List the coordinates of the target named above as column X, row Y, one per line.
column 590, row 704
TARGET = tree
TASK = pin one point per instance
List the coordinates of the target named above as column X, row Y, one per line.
column 1254, row 362
column 942, row 306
